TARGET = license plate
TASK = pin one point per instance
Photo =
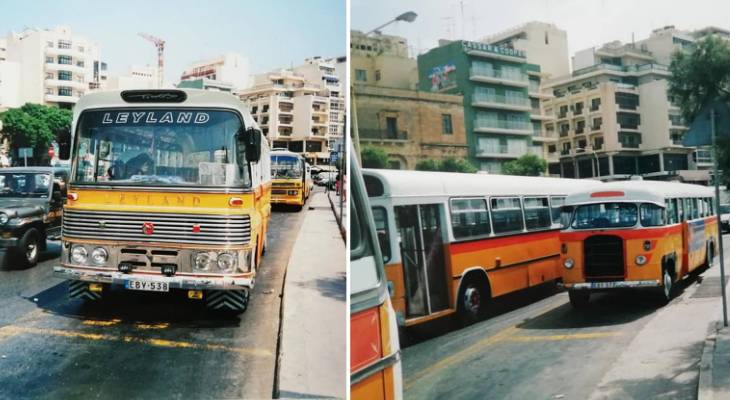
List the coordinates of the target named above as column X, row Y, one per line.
column 147, row 286
column 602, row 285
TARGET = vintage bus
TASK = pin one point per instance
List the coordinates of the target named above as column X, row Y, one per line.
column 289, row 178
column 451, row 241
column 169, row 190
column 375, row 367
column 636, row 234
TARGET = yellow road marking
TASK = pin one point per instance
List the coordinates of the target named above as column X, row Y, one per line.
column 162, row 325
column 13, row 330
column 99, row 322
column 571, row 336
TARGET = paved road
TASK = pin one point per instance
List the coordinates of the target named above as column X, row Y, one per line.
column 625, row 345
column 139, row 345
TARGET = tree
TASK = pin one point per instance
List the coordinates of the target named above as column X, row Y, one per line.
column 427, row 165
column 373, row 157
column 699, row 77
column 448, row 164
column 527, row 165
column 35, row 125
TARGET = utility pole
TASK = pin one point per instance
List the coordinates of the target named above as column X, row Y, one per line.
column 716, row 178
column 160, row 45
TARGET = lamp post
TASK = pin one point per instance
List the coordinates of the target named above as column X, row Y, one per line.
column 408, row 16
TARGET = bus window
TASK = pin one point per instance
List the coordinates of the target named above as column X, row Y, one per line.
column 695, row 209
column 566, row 213
column 652, row 215
column 672, row 217
column 373, row 186
column 507, row 215
column 537, row 213
column 469, row 218
column 556, row 203
column 605, row 215
column 381, row 228
column 363, row 276
column 680, row 210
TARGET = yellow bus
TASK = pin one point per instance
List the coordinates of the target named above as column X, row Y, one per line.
column 636, row 234
column 452, row 241
column 375, row 366
column 169, row 190
column 289, row 178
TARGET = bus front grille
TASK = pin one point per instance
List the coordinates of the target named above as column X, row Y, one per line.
column 603, row 258
column 164, row 228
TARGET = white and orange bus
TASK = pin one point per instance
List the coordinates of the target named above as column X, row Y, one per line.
column 451, row 241
column 636, row 234
column 375, row 367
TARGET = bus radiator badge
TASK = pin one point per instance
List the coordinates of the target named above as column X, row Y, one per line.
column 148, row 228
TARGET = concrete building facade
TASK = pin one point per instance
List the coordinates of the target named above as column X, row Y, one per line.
column 502, row 120
column 138, row 77
column 381, row 60
column 229, row 68
column 56, row 66
column 323, row 72
column 410, row 125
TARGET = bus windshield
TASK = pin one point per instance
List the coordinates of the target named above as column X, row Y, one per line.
column 605, row 215
column 286, row 167
column 160, row 147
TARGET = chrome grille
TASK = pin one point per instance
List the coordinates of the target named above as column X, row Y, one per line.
column 168, row 228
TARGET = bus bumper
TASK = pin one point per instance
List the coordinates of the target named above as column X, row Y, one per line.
column 610, row 285
column 174, row 282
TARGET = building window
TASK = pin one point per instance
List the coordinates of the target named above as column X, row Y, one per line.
column 446, row 126
column 64, row 60
column 64, row 44
column 80, row 64
column 49, row 75
column 361, row 75
column 49, row 60
column 377, row 75
column 49, row 44
column 64, row 91
column 64, row 76
column 391, row 124
column 595, row 103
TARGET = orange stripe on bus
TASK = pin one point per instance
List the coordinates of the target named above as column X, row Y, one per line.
column 481, row 244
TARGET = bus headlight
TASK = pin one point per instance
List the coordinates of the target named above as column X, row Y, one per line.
column 568, row 263
column 201, row 261
column 3, row 218
column 79, row 255
column 226, row 262
column 640, row 260
column 99, row 256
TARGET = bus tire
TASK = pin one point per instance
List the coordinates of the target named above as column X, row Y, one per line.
column 473, row 297
column 667, row 290
column 579, row 298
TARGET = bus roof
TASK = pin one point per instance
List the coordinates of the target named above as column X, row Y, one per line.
column 402, row 183
column 196, row 98
column 281, row 152
column 631, row 191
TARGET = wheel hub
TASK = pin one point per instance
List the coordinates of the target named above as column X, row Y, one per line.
column 472, row 300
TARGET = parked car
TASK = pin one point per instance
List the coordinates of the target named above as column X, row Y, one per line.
column 725, row 218
column 31, row 206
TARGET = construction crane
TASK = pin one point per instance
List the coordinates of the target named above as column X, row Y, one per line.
column 160, row 45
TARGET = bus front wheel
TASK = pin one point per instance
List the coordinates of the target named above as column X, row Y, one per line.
column 472, row 301
column 667, row 286
column 579, row 298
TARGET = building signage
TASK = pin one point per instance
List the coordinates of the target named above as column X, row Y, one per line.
column 505, row 51
column 442, row 77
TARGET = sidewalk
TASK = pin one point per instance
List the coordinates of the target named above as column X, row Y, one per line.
column 314, row 316
column 714, row 381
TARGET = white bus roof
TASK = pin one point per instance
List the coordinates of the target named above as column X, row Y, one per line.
column 404, row 183
column 195, row 98
column 281, row 152
column 632, row 191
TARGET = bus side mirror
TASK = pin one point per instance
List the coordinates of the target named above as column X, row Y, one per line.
column 250, row 139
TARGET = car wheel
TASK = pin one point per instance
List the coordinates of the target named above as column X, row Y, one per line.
column 29, row 247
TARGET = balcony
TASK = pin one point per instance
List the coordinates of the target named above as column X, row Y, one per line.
column 380, row 134
column 64, row 83
column 502, row 126
column 498, row 151
column 54, row 66
column 489, row 75
column 596, row 127
column 502, row 102
column 73, row 52
column 54, row 98
column 593, row 109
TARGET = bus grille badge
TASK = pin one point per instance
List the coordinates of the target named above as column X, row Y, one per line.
column 148, row 228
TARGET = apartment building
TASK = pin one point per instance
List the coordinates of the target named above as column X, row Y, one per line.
column 138, row 77
column 502, row 120
column 614, row 118
column 544, row 44
column 292, row 112
column 56, row 66
column 230, row 68
column 323, row 73
column 382, row 60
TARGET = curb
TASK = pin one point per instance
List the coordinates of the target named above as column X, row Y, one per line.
column 704, row 389
column 337, row 217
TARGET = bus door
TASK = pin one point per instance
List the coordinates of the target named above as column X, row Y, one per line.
column 420, row 228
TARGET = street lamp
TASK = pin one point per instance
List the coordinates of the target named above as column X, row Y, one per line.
column 408, row 16
column 598, row 164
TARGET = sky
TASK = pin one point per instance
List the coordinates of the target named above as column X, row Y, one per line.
column 271, row 34
column 588, row 23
